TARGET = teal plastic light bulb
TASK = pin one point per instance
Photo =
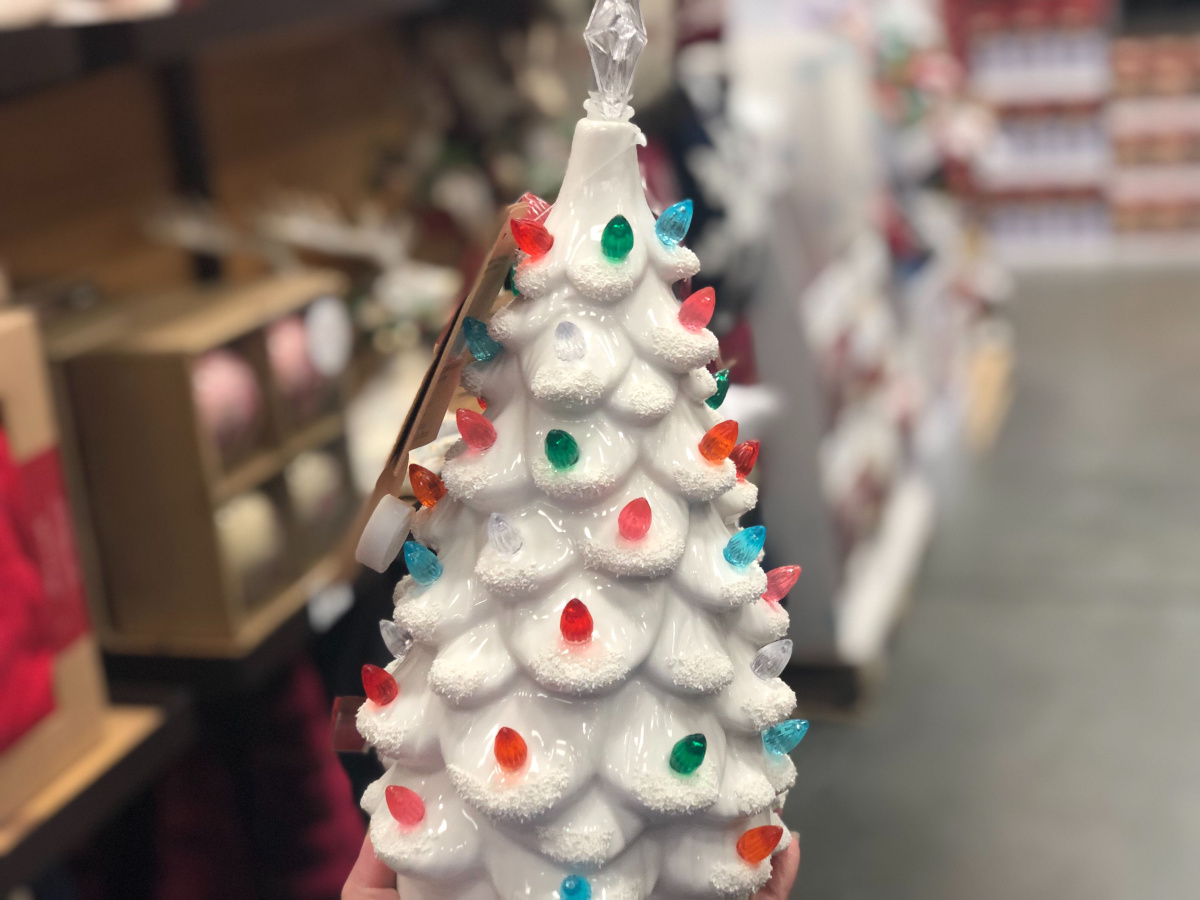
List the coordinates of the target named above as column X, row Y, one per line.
column 672, row 226
column 743, row 548
column 718, row 396
column 423, row 564
column 617, row 240
column 783, row 738
column 479, row 342
column 575, row 887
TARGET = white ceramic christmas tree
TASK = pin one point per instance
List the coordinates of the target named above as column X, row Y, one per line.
column 585, row 701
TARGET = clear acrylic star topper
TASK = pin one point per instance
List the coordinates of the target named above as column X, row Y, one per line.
column 615, row 36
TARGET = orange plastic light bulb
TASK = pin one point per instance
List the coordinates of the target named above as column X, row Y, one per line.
column 575, row 622
column 510, row 749
column 756, row 844
column 532, row 236
column 779, row 582
column 536, row 209
column 634, row 520
column 744, row 456
column 406, row 806
column 427, row 487
column 697, row 310
column 477, row 431
column 380, row 686
column 719, row 442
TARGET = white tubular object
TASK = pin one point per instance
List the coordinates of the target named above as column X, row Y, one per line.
column 384, row 535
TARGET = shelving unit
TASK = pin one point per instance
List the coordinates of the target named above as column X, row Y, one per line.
column 170, row 588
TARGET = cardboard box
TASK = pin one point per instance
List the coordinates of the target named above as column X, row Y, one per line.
column 54, row 693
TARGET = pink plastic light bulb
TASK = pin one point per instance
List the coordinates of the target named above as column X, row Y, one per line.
column 405, row 805
column 697, row 310
column 779, row 582
column 477, row 431
column 634, row 520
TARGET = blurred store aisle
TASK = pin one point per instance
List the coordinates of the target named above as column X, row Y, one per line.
column 1038, row 736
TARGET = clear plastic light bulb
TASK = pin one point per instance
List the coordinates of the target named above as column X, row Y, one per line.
column 772, row 659
column 396, row 638
column 504, row 535
column 569, row 343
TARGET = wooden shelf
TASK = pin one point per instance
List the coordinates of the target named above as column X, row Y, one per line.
column 35, row 58
column 268, row 463
column 257, row 628
column 139, row 741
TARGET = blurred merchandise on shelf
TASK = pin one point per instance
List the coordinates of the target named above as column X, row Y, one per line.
column 202, row 549
column 1043, row 68
column 54, row 692
column 1154, row 121
column 25, row 13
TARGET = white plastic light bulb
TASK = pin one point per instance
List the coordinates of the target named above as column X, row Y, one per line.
column 503, row 534
column 772, row 659
column 569, row 343
column 397, row 639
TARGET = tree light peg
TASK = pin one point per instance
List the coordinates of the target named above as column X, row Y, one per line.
column 532, row 237
column 697, row 310
column 634, row 520
column 478, row 433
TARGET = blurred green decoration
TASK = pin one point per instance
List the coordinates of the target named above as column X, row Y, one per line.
column 617, row 240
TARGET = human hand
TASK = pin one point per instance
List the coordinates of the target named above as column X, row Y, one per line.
column 783, row 873
column 370, row 879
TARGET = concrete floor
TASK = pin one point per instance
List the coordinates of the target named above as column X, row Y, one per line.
column 1038, row 735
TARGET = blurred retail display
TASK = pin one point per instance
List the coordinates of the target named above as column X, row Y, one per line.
column 1043, row 67
column 159, row 412
column 1154, row 122
column 1092, row 159
column 870, row 304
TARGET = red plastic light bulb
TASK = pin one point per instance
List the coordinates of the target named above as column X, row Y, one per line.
column 482, row 403
column 575, row 622
column 634, row 520
column 697, row 310
column 406, row 806
column 380, row 686
column 510, row 750
column 477, row 431
column 780, row 581
column 744, row 456
column 532, row 236
column 718, row 443
column 427, row 487
column 536, row 209
column 756, row 844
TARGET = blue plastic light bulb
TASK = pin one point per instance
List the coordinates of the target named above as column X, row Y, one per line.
column 575, row 887
column 423, row 564
column 743, row 548
column 672, row 226
column 479, row 342
column 782, row 739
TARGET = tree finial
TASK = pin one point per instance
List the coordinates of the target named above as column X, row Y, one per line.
column 615, row 36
